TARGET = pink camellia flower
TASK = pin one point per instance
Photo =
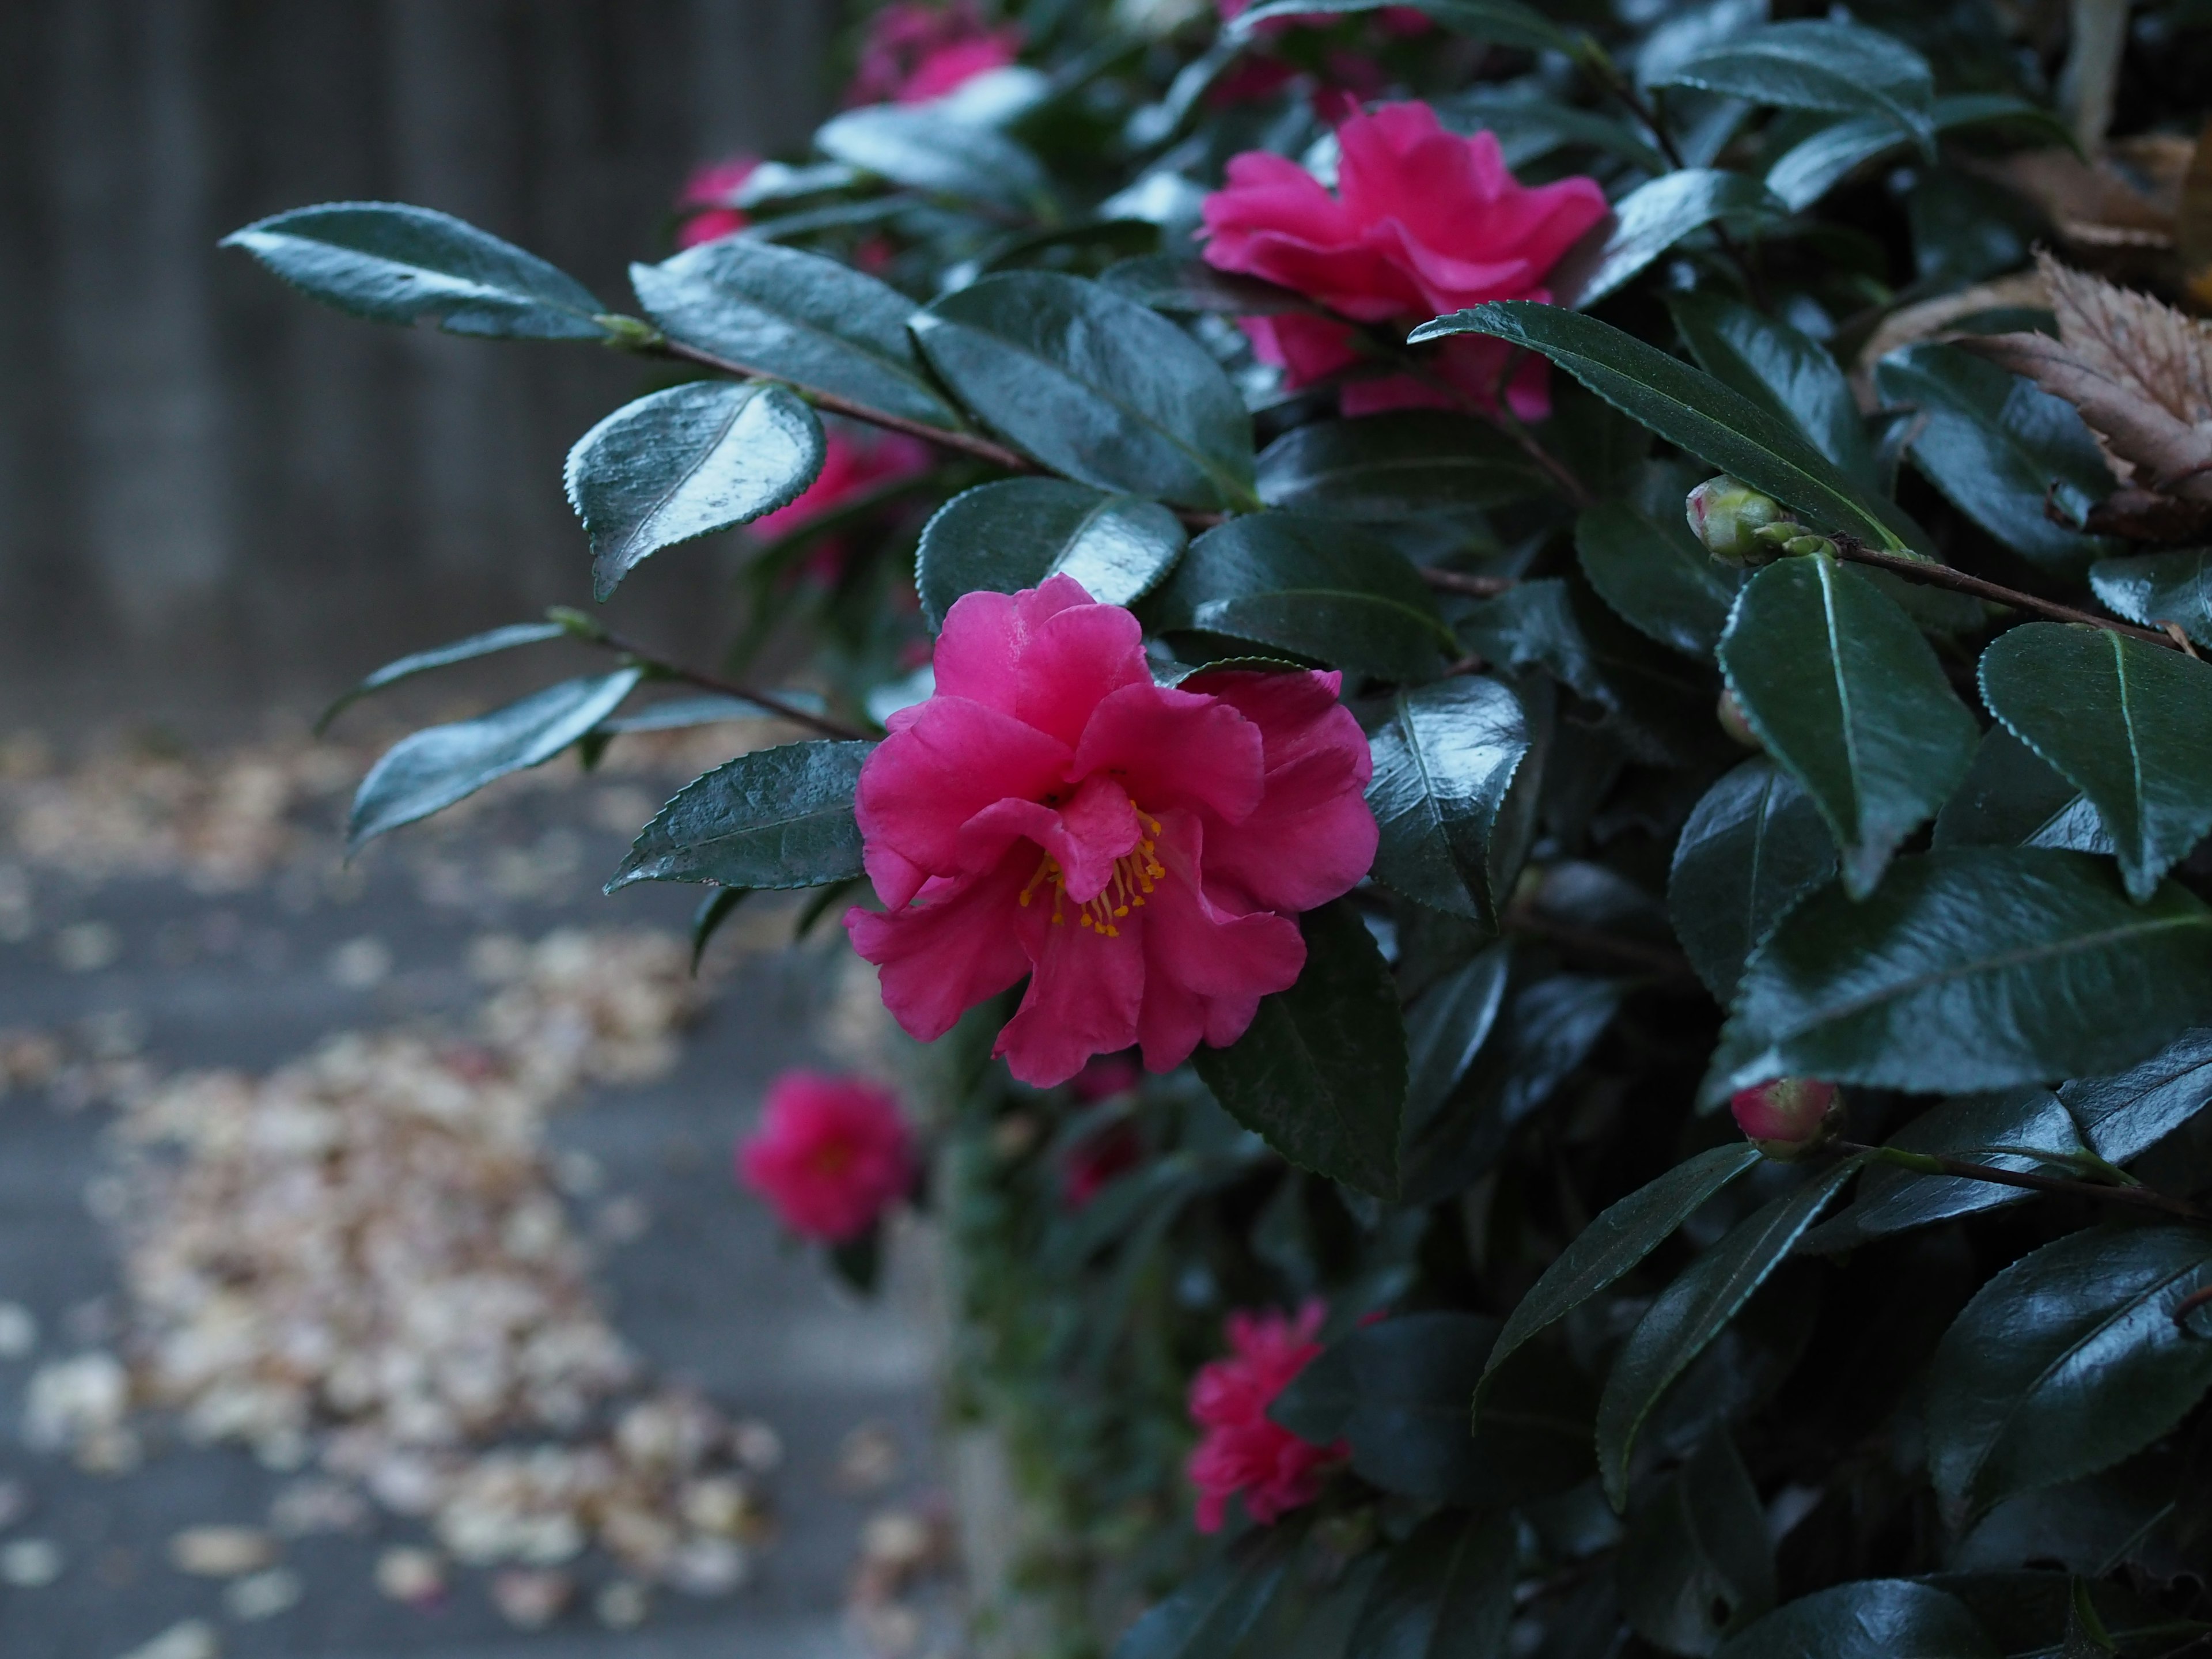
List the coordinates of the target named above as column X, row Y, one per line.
column 705, row 201
column 1423, row 222
column 915, row 52
column 1242, row 1450
column 830, row 1153
column 1789, row 1117
column 853, row 463
column 1137, row 852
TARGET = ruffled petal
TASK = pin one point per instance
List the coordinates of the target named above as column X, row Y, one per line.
column 1206, row 967
column 1174, row 750
column 940, row 958
column 1085, row 837
column 979, row 652
column 1083, row 1000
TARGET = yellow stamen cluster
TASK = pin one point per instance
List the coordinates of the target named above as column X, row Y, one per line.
column 1135, row 875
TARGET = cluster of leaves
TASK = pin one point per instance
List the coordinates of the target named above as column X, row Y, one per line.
column 1941, row 1395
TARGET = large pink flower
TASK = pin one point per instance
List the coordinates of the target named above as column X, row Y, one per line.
column 1242, row 1449
column 1137, row 852
column 1423, row 222
column 915, row 52
column 831, row 1154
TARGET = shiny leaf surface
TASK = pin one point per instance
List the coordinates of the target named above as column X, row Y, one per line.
column 1399, row 466
column 1754, row 847
column 1871, row 1619
column 774, row 818
column 1002, row 538
column 1654, row 572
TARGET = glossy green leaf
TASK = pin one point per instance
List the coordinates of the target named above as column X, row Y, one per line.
column 2154, row 589
column 2023, row 1611
column 709, row 708
column 2066, row 1362
column 1754, row 847
column 686, row 462
column 2128, row 724
column 395, row 264
column 1980, row 968
column 1529, row 126
column 1870, row 1619
column 930, row 150
column 1400, row 465
column 1820, row 65
column 774, row 818
column 2126, row 1114
column 1446, row 1028
column 1997, row 447
column 1320, row 1073
column 1617, row 1240
column 1847, row 697
column 1785, row 370
column 709, row 915
column 1213, row 1611
column 1656, row 574
column 1501, row 22
column 1812, row 168
column 1695, row 1310
column 1689, row 408
column 797, row 317
column 428, row 770
column 476, row 645
column 1652, row 218
column 1315, row 587
column 1445, row 1593
column 1002, row 538
column 1696, row 1563
column 2011, row 798
column 1095, row 386
column 1454, row 827
column 1970, row 1126
column 1168, row 281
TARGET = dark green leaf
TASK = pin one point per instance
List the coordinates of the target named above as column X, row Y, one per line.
column 1971, row 1127
column 2154, row 589
column 2086, row 1635
column 1871, row 1619
column 1821, row 65
column 1696, row 1563
column 933, row 151
column 1399, row 466
column 1321, row 1073
column 1695, row 1310
column 710, row 708
column 686, row 462
column 1454, row 792
column 2128, row 724
column 1445, row 1593
column 1617, row 1240
column 1317, row 1403
column 1168, row 281
column 1313, row 586
column 1095, row 386
column 2024, row 1610
column 2124, row 1115
column 1529, row 126
column 1212, row 1611
column 1502, row 23
column 1998, row 446
column 2068, row 1361
column 712, row 912
column 430, row 769
column 1446, row 1028
column 1754, row 847
column 2011, row 798
column 1815, row 165
column 1689, row 408
column 1002, row 538
column 1847, row 696
column 1656, row 574
column 1979, row 967
column 774, row 818
column 476, row 645
column 795, row 316
column 859, row 1262
column 395, row 264
column 1788, row 372
column 1652, row 218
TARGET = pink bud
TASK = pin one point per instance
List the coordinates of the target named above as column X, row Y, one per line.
column 1789, row 1117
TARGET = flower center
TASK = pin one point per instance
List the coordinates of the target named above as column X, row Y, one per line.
column 1135, row 873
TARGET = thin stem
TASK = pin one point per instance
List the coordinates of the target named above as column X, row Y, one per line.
column 2190, row 1304
column 1942, row 575
column 1453, row 582
column 1935, row 1164
column 706, row 682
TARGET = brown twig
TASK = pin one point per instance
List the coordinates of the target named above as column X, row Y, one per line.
column 1453, row 582
column 1942, row 575
column 2190, row 1304
column 706, row 682
column 1932, row 1163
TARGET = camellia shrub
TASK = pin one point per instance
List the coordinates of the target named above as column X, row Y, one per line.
column 1518, row 690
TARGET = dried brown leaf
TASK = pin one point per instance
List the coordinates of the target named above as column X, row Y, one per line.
column 2104, row 203
column 2192, row 236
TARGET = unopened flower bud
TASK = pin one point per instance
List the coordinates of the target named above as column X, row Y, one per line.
column 1726, row 514
column 1735, row 722
column 1789, row 1117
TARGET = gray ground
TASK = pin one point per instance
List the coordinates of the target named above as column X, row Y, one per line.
column 708, row 1293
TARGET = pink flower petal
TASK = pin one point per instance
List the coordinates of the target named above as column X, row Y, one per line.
column 940, row 958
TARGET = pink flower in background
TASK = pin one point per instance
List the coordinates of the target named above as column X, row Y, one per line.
column 1423, row 222
column 830, row 1153
column 853, row 464
column 1137, row 852
column 1242, row 1449
column 1104, row 1076
column 705, row 201
column 1789, row 1117
column 1100, row 1158
column 915, row 52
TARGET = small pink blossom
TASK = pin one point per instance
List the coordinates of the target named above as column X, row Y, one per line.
column 1423, row 222
column 853, row 464
column 1789, row 1117
column 1137, row 852
column 830, row 1153
column 705, row 201
column 915, row 52
column 1101, row 1157
column 1242, row 1450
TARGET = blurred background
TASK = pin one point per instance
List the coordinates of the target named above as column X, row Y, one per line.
column 219, row 504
